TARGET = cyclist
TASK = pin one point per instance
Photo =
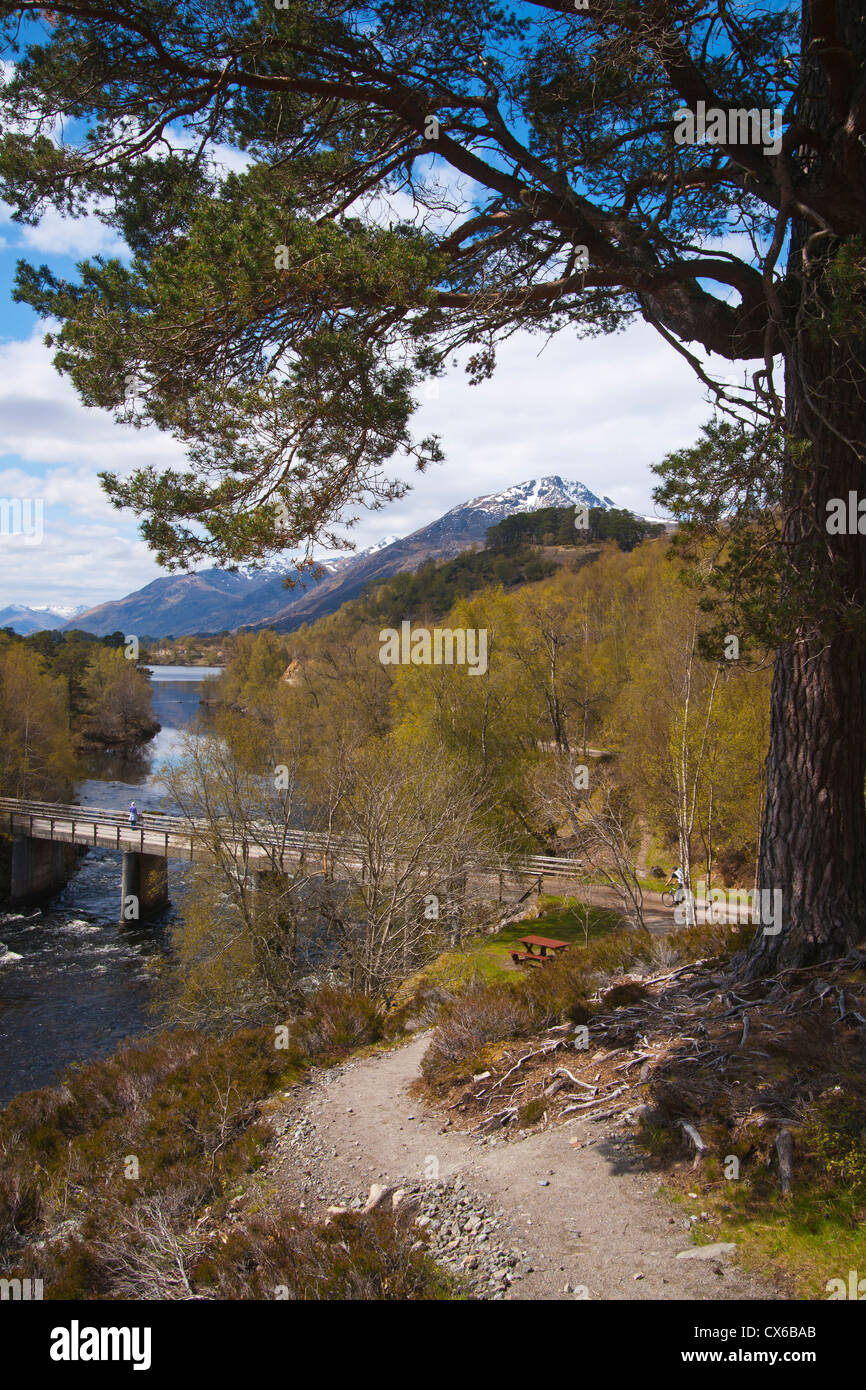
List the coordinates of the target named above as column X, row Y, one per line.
column 676, row 876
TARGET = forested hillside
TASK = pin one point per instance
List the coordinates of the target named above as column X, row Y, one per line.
column 516, row 552
column 566, row 526
column 604, row 656
column 62, row 694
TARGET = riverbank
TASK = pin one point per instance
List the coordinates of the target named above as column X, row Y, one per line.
column 83, row 981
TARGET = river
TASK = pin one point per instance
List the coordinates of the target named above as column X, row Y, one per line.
column 83, row 981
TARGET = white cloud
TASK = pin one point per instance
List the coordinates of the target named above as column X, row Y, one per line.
column 71, row 236
column 65, row 236
column 43, row 420
column 89, row 550
column 73, row 565
column 601, row 411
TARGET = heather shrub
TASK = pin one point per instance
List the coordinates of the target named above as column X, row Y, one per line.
column 621, row 996
column 334, row 1022
column 188, row 1108
column 710, row 940
column 185, row 1106
column 354, row 1257
column 480, row 1014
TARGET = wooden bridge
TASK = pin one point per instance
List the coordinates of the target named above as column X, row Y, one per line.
column 40, row 830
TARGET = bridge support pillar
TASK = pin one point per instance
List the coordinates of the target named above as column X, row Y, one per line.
column 144, row 885
column 39, row 869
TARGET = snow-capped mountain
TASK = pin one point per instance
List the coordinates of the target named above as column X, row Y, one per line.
column 38, row 617
column 256, row 597
column 378, row 545
column 552, row 491
column 462, row 527
column 59, row 610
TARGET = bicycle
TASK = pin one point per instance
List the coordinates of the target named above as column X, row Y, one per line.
column 668, row 897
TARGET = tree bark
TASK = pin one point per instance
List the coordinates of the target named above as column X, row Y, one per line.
column 813, row 841
column 813, row 838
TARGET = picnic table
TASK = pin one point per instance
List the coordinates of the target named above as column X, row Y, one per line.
column 537, row 950
column 540, row 945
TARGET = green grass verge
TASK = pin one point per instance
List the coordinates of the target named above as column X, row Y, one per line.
column 489, row 957
column 815, row 1234
column 806, row 1239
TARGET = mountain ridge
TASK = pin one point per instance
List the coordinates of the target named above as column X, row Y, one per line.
column 209, row 601
column 27, row 618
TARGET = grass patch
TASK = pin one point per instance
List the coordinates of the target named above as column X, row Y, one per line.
column 488, row 958
column 814, row 1235
column 531, row 1112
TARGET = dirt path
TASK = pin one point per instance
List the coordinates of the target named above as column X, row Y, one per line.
column 582, row 1215
column 659, row 919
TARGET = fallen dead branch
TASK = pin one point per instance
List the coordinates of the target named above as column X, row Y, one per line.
column 542, row 1051
column 501, row 1117
column 600, row 1100
column 561, row 1076
column 785, row 1155
column 644, row 1057
column 700, row 1146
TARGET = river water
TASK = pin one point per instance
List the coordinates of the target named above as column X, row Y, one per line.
column 83, row 982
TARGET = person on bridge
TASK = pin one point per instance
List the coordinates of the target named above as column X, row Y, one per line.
column 133, row 814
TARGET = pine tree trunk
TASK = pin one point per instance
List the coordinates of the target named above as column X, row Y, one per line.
column 813, row 843
column 813, row 838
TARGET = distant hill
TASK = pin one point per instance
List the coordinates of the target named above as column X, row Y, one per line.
column 178, row 604
column 212, row 600
column 26, row 620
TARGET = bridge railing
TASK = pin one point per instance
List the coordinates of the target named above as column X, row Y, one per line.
column 257, row 835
